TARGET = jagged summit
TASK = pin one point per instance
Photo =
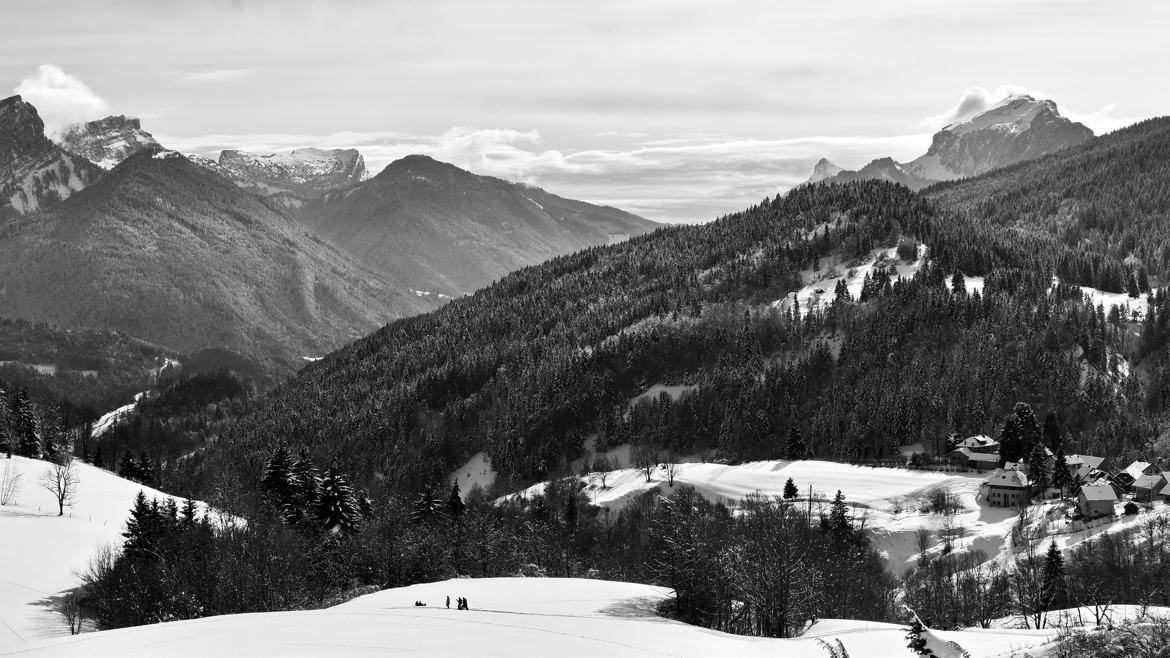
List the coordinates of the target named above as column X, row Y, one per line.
column 109, row 141
column 1015, row 129
column 824, row 168
column 34, row 172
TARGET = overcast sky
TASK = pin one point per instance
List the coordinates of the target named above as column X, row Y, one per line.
column 675, row 110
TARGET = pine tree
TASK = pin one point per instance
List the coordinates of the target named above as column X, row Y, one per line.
column 1011, row 441
column 1053, row 435
column 454, row 501
column 337, row 506
column 796, row 448
column 914, row 640
column 128, row 468
column 145, row 468
column 307, row 481
column 838, row 525
column 26, row 431
column 280, row 484
column 958, row 284
column 190, row 511
column 1053, row 584
column 426, row 506
column 142, row 527
column 98, row 460
column 1038, row 467
column 790, row 490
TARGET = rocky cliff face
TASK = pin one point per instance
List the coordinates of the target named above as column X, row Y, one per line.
column 34, row 172
column 107, row 142
column 1017, row 128
column 307, row 172
column 823, row 169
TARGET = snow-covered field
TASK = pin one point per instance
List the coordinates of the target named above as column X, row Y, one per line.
column 889, row 501
column 40, row 552
column 507, row 617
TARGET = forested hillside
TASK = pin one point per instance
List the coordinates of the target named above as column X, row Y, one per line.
column 1094, row 214
column 532, row 366
column 164, row 250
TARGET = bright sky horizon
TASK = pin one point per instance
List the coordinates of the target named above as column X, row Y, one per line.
column 674, row 110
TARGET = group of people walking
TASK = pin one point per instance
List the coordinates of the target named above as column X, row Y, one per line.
column 461, row 603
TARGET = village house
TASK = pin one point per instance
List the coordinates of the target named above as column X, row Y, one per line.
column 1148, row 488
column 975, row 461
column 1095, row 501
column 981, row 444
column 1084, row 468
column 1126, row 477
column 1006, row 488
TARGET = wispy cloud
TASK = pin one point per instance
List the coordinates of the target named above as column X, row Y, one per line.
column 60, row 98
column 975, row 100
column 216, row 75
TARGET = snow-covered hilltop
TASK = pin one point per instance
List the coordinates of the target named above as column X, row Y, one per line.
column 1015, row 129
column 306, row 172
column 107, row 142
column 506, row 617
column 41, row 553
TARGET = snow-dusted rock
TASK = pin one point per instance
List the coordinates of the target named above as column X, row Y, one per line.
column 107, row 142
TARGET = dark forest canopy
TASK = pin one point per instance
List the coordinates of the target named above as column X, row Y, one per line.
column 530, row 367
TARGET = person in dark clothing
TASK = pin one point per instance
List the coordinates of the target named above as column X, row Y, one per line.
column 448, row 602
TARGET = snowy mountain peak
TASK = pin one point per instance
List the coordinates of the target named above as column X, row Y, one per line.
column 308, row 172
column 107, row 142
column 1017, row 128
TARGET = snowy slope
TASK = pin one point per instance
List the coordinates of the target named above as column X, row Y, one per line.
column 508, row 617
column 819, row 292
column 40, row 552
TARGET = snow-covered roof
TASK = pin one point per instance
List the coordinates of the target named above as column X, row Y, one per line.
column 1083, row 465
column 971, row 455
column 1006, row 478
column 978, row 441
column 1098, row 492
column 1149, row 481
column 1136, row 469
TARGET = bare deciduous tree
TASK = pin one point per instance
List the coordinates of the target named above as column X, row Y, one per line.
column 71, row 612
column 602, row 466
column 645, row 459
column 61, row 479
column 9, row 483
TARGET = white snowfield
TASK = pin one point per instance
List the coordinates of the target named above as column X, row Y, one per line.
column 508, row 617
column 42, row 553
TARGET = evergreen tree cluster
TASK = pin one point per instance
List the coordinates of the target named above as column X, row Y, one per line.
column 302, row 495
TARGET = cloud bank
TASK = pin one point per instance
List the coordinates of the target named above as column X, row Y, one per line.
column 60, row 98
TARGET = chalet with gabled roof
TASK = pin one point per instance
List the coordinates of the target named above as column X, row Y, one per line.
column 1096, row 500
column 1006, row 488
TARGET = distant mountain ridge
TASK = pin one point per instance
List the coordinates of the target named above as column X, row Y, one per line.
column 107, row 142
column 35, row 173
column 304, row 172
column 161, row 249
column 1016, row 129
column 447, row 230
